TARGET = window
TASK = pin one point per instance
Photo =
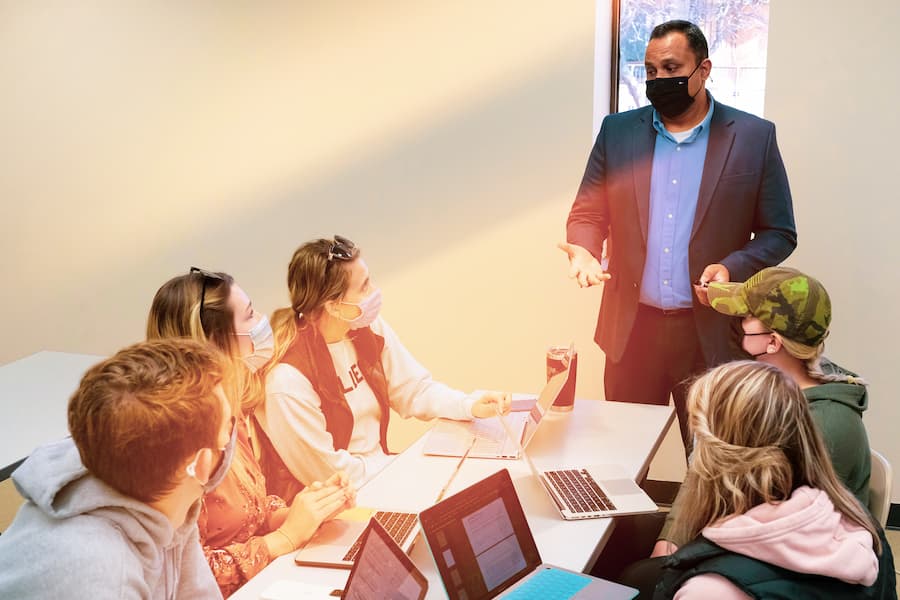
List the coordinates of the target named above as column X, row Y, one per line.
column 737, row 34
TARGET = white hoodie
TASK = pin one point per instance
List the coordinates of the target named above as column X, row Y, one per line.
column 293, row 419
column 804, row 534
column 77, row 538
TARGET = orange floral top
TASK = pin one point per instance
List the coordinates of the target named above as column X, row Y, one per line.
column 234, row 517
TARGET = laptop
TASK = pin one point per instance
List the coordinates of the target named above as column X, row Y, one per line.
column 453, row 438
column 337, row 542
column 483, row 548
column 381, row 570
column 592, row 492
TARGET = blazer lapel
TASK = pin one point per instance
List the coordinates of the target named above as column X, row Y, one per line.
column 721, row 138
column 642, row 161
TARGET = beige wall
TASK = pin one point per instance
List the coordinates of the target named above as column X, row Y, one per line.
column 446, row 138
column 834, row 102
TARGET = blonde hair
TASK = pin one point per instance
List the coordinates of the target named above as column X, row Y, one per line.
column 755, row 443
column 812, row 358
column 176, row 312
column 313, row 279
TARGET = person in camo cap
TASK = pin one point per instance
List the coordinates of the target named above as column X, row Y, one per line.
column 785, row 318
column 782, row 318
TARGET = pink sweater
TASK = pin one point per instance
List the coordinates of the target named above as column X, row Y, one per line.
column 804, row 534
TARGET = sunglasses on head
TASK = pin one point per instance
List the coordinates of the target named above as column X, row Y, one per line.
column 341, row 249
column 206, row 275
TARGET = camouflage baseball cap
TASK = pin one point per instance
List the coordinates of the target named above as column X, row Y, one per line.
column 784, row 299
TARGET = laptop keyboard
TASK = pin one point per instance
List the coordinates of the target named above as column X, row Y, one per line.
column 579, row 491
column 397, row 524
column 549, row 584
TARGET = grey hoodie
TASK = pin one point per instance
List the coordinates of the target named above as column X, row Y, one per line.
column 77, row 538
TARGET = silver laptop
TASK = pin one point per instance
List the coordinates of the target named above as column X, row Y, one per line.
column 453, row 438
column 381, row 570
column 592, row 492
column 483, row 549
column 337, row 542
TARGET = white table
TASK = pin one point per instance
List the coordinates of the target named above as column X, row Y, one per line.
column 595, row 432
column 34, row 397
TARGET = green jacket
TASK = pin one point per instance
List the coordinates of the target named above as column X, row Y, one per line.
column 837, row 409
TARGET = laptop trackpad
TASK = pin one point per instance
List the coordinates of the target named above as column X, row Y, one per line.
column 608, row 590
column 337, row 532
column 620, row 487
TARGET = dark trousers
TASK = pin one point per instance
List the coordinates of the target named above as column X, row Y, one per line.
column 663, row 354
column 624, row 558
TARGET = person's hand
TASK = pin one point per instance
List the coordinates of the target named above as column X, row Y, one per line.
column 583, row 267
column 663, row 548
column 715, row 272
column 490, row 403
column 315, row 504
column 340, row 478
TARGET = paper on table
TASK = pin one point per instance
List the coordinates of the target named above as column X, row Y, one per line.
column 285, row 589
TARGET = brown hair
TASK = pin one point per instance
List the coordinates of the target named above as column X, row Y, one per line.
column 139, row 416
column 755, row 442
column 176, row 312
column 312, row 280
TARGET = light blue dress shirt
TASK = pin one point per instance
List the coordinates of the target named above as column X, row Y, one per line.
column 674, row 187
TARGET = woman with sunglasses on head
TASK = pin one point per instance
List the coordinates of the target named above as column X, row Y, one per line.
column 242, row 528
column 769, row 517
column 341, row 369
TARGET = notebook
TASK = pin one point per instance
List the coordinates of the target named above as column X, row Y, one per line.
column 337, row 542
column 381, row 570
column 483, row 548
column 453, row 438
column 591, row 492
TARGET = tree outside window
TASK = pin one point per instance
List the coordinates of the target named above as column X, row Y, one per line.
column 737, row 34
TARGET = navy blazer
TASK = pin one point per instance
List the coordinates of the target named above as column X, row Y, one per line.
column 744, row 217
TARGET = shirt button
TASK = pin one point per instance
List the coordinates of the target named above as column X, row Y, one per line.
column 666, row 250
column 674, row 181
column 677, row 148
column 669, row 215
column 665, row 282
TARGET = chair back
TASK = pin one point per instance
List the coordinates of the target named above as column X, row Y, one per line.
column 880, row 487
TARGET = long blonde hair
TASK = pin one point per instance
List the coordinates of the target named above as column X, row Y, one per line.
column 313, row 279
column 755, row 443
column 813, row 360
column 176, row 312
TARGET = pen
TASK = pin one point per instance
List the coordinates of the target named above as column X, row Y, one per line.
column 455, row 471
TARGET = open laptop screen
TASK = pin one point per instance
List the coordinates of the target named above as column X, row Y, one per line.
column 480, row 539
column 382, row 570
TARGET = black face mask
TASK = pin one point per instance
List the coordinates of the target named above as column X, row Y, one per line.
column 669, row 95
column 736, row 341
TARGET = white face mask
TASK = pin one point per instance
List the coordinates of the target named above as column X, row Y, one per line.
column 263, row 340
column 368, row 307
column 221, row 471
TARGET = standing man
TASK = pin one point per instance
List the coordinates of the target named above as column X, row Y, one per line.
column 687, row 191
